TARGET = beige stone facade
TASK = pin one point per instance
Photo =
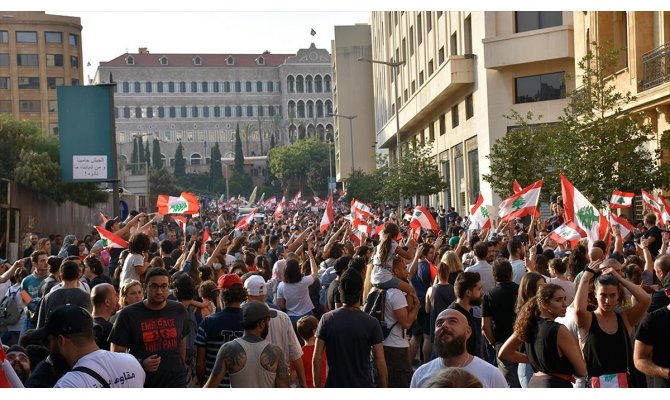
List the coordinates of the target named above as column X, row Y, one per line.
column 38, row 52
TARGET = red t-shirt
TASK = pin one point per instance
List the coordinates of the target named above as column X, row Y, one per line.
column 307, row 353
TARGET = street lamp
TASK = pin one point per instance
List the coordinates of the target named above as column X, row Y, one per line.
column 351, row 136
column 394, row 66
column 330, row 168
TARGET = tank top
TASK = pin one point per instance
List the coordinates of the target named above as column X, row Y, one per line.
column 441, row 297
column 542, row 348
column 253, row 375
column 606, row 353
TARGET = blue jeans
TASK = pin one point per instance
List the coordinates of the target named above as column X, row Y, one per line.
column 525, row 373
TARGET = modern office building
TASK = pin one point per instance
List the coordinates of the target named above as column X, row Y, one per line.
column 463, row 72
column 643, row 67
column 353, row 100
column 38, row 52
column 199, row 99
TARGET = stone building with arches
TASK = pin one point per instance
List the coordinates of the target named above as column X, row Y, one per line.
column 199, row 99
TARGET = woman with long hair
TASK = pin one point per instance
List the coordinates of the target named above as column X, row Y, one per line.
column 136, row 264
column 452, row 265
column 530, row 284
column 293, row 293
column 549, row 346
column 130, row 293
column 382, row 270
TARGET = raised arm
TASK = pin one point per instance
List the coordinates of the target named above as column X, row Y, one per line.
column 582, row 315
column 10, row 272
column 217, row 250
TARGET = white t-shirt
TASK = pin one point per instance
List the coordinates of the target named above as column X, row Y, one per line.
column 488, row 375
column 518, row 270
column 382, row 270
column 296, row 296
column 281, row 334
column 395, row 300
column 128, row 273
column 485, row 273
column 121, row 370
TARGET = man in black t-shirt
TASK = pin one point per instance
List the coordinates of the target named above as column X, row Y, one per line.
column 333, row 295
column 105, row 303
column 499, row 315
column 154, row 331
column 469, row 292
column 653, row 234
column 652, row 347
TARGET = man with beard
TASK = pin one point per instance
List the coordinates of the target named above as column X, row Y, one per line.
column 69, row 330
column 469, row 293
column 451, row 333
column 154, row 331
column 251, row 360
column 17, row 357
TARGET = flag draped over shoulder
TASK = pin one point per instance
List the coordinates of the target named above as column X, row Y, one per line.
column 479, row 215
column 328, row 215
column 582, row 212
column 522, row 203
column 110, row 240
column 422, row 218
column 186, row 203
column 621, row 199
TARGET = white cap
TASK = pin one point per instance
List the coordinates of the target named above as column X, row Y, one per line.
column 256, row 286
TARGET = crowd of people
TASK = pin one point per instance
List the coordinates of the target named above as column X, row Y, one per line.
column 284, row 303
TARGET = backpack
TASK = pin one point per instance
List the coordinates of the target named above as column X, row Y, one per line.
column 10, row 312
column 374, row 306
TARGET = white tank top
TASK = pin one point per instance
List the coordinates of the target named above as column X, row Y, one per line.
column 253, row 375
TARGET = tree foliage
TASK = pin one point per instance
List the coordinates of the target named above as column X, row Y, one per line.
column 33, row 161
column 156, row 161
column 239, row 155
column 415, row 174
column 215, row 167
column 368, row 187
column 303, row 163
column 179, row 162
column 162, row 181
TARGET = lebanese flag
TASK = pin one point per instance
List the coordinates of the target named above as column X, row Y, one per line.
column 522, row 203
column 186, row 203
column 103, row 218
column 280, row 208
column 271, row 201
column 378, row 230
column 582, row 212
column 201, row 253
column 110, row 240
column 360, row 210
column 8, row 377
column 665, row 212
column 181, row 221
column 625, row 227
column 358, row 228
column 246, row 221
column 328, row 215
column 479, row 215
column 296, row 199
column 516, row 188
column 422, row 218
column 567, row 232
column 621, row 199
column 652, row 203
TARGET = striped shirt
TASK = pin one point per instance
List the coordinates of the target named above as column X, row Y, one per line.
column 215, row 330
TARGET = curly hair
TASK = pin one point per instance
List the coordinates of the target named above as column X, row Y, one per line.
column 531, row 310
column 139, row 243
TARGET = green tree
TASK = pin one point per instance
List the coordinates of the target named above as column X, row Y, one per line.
column 304, row 162
column 179, row 162
column 415, row 174
column 156, row 161
column 215, row 167
column 239, row 155
column 365, row 187
column 141, row 151
column 134, row 157
column 147, row 155
column 272, row 141
column 162, row 181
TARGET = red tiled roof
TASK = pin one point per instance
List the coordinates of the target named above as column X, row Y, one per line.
column 207, row 60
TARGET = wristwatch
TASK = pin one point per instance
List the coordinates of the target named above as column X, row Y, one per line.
column 588, row 269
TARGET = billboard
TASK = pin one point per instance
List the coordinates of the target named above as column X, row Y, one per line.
column 86, row 132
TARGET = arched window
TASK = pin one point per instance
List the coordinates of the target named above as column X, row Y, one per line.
column 130, row 60
column 196, row 159
column 311, row 130
column 318, row 84
column 329, row 107
column 301, row 109
column 291, row 109
column 290, row 84
column 309, row 83
column 301, row 132
column 319, row 108
column 300, row 84
column 310, row 109
column 320, row 132
column 326, row 83
column 292, row 133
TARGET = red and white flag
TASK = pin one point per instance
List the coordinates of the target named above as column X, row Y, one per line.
column 110, row 240
column 422, row 218
column 8, row 377
column 358, row 228
column 652, row 203
column 280, row 208
column 621, row 199
column 579, row 210
column 328, row 215
column 201, row 253
column 665, row 212
column 378, row 230
column 296, row 199
column 186, row 203
column 567, row 232
column 271, row 201
column 479, row 215
column 407, row 217
column 516, row 188
column 625, row 227
column 181, row 221
column 246, row 221
column 360, row 210
column 522, row 203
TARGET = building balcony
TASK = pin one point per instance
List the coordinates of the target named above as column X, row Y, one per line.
column 656, row 67
column 528, row 47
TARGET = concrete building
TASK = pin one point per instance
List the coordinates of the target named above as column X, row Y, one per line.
column 353, row 96
column 463, row 72
column 643, row 68
column 199, row 99
column 38, row 52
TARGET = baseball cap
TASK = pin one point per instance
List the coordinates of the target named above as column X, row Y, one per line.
column 228, row 280
column 67, row 319
column 253, row 311
column 256, row 286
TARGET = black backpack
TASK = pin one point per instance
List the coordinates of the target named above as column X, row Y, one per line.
column 374, row 306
